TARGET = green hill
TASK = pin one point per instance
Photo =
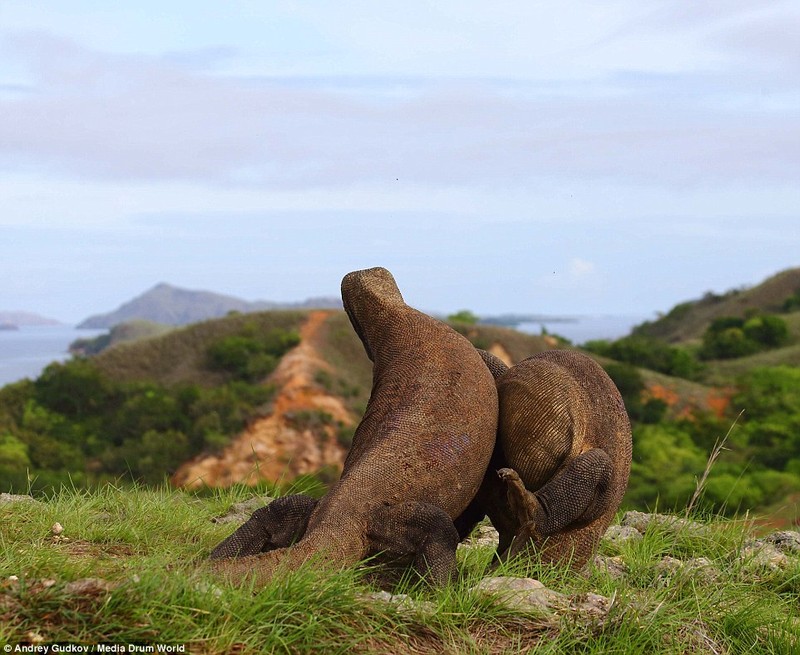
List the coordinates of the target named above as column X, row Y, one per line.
column 688, row 320
column 180, row 355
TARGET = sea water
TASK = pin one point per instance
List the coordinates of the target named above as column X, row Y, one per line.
column 24, row 353
column 580, row 329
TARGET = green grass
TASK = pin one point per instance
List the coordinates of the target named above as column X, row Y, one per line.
column 725, row 372
column 150, row 545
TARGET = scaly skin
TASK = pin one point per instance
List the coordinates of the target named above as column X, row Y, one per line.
column 418, row 455
column 562, row 460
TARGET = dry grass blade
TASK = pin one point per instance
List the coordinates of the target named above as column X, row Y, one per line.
column 719, row 446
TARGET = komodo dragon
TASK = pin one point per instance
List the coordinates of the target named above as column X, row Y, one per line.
column 417, row 460
column 562, row 460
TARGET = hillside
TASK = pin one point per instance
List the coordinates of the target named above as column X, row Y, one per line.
column 688, row 320
column 265, row 397
column 320, row 389
column 134, row 330
column 179, row 356
column 171, row 305
column 274, row 397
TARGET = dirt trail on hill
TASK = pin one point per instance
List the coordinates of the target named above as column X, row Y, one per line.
column 291, row 440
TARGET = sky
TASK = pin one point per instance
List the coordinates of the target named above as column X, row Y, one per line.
column 567, row 157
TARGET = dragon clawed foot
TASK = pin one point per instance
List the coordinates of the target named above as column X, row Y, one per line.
column 508, row 475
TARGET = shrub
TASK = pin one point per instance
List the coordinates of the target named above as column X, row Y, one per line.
column 249, row 357
column 650, row 353
column 463, row 316
column 729, row 337
column 792, row 303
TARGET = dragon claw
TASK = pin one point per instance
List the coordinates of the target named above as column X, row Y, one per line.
column 507, row 474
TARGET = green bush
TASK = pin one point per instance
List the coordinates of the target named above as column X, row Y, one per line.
column 792, row 303
column 463, row 316
column 765, row 392
column 729, row 337
column 647, row 352
column 251, row 357
column 767, row 331
column 136, row 430
column 631, row 385
column 665, row 465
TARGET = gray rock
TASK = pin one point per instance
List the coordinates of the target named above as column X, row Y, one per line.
column 701, row 567
column 763, row 555
column 641, row 522
column 240, row 512
column 620, row 534
column 13, row 498
column 786, row 541
column 613, row 566
column 592, row 607
column 89, row 587
column 524, row 595
column 484, row 536
column 403, row 602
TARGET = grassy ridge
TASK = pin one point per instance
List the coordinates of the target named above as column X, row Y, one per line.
column 180, row 355
column 688, row 320
column 141, row 551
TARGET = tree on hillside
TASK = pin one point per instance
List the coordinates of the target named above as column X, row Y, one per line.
column 463, row 316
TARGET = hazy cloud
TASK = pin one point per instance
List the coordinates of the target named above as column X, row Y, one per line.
column 115, row 116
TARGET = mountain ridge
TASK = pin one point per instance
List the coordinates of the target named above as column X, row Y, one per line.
column 171, row 305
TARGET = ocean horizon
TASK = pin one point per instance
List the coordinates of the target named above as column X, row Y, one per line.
column 26, row 352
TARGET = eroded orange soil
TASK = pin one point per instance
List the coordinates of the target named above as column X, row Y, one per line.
column 276, row 448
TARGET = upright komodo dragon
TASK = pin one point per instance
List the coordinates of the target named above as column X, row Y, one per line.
column 562, row 460
column 418, row 457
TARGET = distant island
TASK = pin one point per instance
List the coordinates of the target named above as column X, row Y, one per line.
column 515, row 320
column 169, row 305
column 23, row 319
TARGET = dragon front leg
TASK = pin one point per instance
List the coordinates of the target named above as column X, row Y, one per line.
column 278, row 525
column 420, row 530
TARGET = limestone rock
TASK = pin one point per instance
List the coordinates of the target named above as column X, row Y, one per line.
column 89, row 587
column 523, row 595
column 701, row 567
column 641, row 522
column 484, row 536
column 620, row 534
column 403, row 602
column 592, row 607
column 7, row 499
column 763, row 555
column 613, row 566
column 786, row 541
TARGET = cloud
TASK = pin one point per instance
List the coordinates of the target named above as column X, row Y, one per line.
column 96, row 115
column 580, row 269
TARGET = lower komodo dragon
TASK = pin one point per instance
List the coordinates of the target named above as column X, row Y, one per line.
column 417, row 460
column 562, row 460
